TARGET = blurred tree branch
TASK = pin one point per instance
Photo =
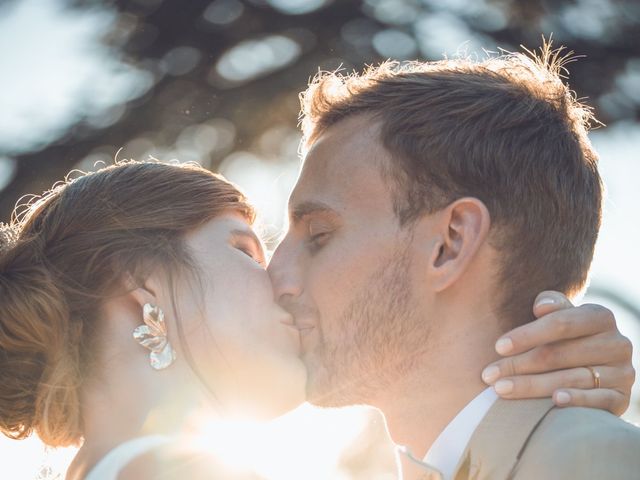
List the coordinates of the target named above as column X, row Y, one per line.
column 174, row 103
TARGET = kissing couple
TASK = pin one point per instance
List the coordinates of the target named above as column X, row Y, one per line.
column 444, row 215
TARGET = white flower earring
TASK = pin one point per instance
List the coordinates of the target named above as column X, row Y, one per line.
column 153, row 335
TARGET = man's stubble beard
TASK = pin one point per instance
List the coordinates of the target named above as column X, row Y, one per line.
column 384, row 336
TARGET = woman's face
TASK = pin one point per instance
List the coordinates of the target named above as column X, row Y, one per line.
column 242, row 342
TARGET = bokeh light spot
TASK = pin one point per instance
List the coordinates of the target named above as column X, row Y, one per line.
column 62, row 68
column 223, row 12
column 394, row 12
column 8, row 168
column 444, row 33
column 298, row 7
column 255, row 58
column 392, row 43
column 181, row 60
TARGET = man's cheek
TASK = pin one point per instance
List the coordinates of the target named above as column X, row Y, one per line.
column 330, row 287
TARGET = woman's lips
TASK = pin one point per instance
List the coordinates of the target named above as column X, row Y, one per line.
column 305, row 329
column 293, row 333
column 290, row 326
column 304, row 325
column 290, row 320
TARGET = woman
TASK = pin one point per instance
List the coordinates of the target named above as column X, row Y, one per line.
column 134, row 298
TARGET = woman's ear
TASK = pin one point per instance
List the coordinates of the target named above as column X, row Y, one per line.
column 462, row 228
column 141, row 294
column 153, row 333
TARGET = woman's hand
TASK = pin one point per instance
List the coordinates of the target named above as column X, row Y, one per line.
column 552, row 355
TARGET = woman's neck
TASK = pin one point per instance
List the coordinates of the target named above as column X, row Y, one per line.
column 116, row 413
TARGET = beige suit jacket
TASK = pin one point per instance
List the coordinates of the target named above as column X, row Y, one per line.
column 531, row 439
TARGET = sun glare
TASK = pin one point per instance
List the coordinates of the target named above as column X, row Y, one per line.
column 29, row 459
column 305, row 443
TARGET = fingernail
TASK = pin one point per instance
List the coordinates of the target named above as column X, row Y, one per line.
column 545, row 301
column 563, row 398
column 504, row 387
column 490, row 374
column 504, row 346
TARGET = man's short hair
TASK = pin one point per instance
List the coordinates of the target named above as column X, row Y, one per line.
column 505, row 130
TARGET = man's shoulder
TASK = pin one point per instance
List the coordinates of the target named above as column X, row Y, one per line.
column 533, row 439
column 574, row 427
column 581, row 443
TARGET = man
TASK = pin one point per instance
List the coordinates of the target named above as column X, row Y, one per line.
column 434, row 203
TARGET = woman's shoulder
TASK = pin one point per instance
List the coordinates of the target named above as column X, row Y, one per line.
column 117, row 459
column 169, row 458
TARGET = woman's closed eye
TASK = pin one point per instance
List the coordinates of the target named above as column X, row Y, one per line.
column 250, row 246
column 253, row 253
column 248, row 253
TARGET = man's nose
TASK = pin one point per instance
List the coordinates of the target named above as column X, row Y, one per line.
column 285, row 270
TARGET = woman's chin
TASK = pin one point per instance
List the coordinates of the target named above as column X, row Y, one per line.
column 264, row 401
column 277, row 402
column 286, row 405
column 263, row 411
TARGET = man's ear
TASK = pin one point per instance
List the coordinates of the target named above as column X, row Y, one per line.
column 462, row 229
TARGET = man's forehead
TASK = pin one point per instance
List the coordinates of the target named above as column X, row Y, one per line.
column 343, row 164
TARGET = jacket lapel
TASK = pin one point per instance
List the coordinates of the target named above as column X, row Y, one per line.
column 500, row 439
column 411, row 467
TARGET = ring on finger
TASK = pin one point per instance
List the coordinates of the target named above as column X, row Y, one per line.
column 596, row 377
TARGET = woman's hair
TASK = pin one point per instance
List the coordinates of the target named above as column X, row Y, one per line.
column 65, row 252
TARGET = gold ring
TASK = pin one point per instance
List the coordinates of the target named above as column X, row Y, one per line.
column 596, row 377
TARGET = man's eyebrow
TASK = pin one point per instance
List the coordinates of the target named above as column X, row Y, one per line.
column 301, row 210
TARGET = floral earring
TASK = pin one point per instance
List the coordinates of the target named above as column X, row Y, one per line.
column 153, row 335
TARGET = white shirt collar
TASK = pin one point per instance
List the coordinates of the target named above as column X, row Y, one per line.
column 446, row 452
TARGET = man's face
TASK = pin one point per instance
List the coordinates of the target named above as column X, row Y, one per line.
column 346, row 269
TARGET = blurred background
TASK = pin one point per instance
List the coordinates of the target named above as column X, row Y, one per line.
column 217, row 82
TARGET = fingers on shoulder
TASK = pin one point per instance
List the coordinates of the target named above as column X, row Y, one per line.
column 607, row 399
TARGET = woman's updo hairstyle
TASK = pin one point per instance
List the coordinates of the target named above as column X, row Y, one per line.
column 66, row 251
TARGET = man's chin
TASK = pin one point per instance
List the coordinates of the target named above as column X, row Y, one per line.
column 328, row 386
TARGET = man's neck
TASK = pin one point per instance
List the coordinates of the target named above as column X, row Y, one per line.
column 419, row 406
column 422, row 413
